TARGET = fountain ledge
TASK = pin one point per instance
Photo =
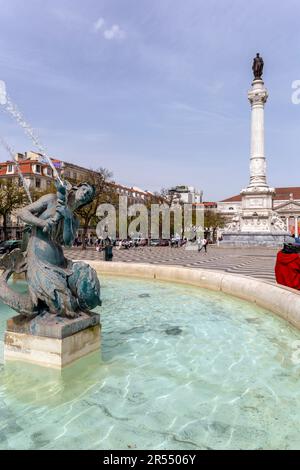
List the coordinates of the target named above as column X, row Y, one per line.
column 282, row 301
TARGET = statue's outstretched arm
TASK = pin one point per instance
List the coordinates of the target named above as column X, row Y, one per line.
column 71, row 224
column 30, row 214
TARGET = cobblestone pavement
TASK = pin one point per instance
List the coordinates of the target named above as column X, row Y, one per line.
column 254, row 262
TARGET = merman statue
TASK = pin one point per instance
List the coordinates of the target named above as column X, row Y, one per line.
column 56, row 284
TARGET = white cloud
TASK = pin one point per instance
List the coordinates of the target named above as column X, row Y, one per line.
column 3, row 98
column 99, row 24
column 115, row 32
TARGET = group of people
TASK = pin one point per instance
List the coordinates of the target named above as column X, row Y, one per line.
column 100, row 243
column 88, row 241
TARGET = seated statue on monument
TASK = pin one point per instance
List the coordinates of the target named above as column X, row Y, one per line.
column 56, row 285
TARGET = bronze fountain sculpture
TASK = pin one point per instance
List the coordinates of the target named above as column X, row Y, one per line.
column 56, row 285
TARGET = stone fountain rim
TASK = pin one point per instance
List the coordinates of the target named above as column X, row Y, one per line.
column 280, row 300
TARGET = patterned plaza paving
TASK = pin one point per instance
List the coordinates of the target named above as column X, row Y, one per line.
column 254, row 262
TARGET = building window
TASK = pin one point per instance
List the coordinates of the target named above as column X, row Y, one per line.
column 37, row 183
column 67, row 174
column 48, row 184
column 74, row 175
column 49, row 171
column 38, row 168
column 10, row 168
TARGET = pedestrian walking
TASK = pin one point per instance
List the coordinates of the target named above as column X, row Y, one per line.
column 199, row 243
column 108, row 250
column 203, row 244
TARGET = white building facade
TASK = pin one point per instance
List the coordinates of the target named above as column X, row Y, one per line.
column 186, row 195
column 286, row 204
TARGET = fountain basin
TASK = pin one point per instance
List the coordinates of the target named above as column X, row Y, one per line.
column 180, row 368
column 278, row 299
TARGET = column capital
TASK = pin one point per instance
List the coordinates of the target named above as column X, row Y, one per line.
column 257, row 96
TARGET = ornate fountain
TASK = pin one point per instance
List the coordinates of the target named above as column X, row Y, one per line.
column 54, row 325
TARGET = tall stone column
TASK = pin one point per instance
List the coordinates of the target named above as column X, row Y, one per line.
column 257, row 96
column 257, row 223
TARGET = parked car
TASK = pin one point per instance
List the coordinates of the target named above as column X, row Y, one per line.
column 164, row 242
column 9, row 245
column 154, row 242
column 140, row 241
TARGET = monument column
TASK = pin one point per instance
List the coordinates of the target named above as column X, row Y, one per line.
column 257, row 223
column 257, row 96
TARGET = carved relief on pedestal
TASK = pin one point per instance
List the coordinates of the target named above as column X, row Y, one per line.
column 255, row 202
column 277, row 224
column 254, row 223
column 234, row 225
column 261, row 190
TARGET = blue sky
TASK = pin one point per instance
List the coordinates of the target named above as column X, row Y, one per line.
column 155, row 90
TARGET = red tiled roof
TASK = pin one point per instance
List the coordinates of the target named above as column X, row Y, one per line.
column 282, row 194
column 233, row 199
column 25, row 166
column 209, row 203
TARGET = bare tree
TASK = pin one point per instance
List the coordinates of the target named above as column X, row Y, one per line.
column 167, row 195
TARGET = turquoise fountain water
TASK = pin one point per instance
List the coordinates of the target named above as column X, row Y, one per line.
column 181, row 368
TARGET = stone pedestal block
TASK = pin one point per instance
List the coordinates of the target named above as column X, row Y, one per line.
column 51, row 341
column 256, row 239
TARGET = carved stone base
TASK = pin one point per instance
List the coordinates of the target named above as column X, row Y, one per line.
column 255, row 239
column 51, row 341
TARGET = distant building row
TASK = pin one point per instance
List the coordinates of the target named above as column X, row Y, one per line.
column 38, row 176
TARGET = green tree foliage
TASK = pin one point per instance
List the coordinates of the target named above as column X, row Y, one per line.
column 214, row 220
column 12, row 197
